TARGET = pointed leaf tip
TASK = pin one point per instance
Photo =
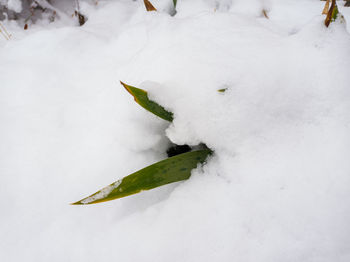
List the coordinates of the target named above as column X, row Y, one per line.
column 76, row 203
column 149, row 6
column 222, row 90
column 332, row 13
column 173, row 169
column 141, row 97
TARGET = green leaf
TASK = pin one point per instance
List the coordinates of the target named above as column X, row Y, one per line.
column 174, row 2
column 141, row 97
column 222, row 90
column 335, row 13
column 173, row 169
column 332, row 13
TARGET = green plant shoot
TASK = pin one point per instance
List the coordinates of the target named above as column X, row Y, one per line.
column 141, row 97
column 173, row 169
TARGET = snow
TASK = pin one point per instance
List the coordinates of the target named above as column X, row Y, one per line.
column 102, row 193
column 15, row 5
column 277, row 187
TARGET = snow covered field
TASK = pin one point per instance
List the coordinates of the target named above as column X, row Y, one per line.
column 278, row 186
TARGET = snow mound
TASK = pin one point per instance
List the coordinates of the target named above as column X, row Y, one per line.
column 277, row 186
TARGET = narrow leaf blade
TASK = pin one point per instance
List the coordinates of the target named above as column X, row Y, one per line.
column 149, row 6
column 141, row 97
column 332, row 13
column 326, row 7
column 167, row 171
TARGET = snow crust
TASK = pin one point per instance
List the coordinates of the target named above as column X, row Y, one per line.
column 278, row 185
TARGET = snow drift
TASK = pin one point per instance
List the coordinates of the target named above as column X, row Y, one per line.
column 277, row 187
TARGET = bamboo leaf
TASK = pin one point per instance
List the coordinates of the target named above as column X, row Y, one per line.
column 149, row 6
column 141, row 97
column 167, row 171
column 222, row 90
column 326, row 7
column 332, row 13
column 264, row 13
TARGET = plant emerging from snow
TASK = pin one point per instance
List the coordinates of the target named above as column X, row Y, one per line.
column 176, row 168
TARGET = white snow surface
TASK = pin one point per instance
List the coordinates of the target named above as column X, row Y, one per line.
column 15, row 5
column 277, row 187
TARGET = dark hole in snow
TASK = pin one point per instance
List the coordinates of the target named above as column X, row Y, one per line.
column 176, row 150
